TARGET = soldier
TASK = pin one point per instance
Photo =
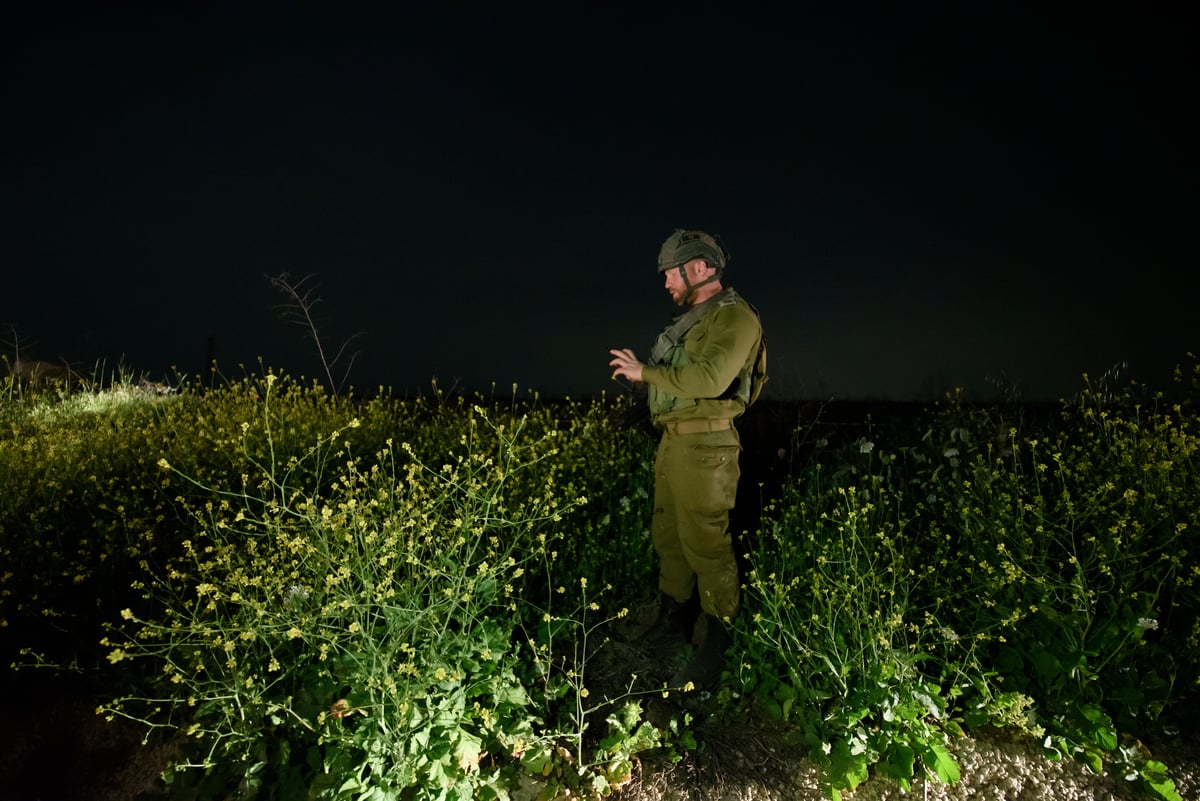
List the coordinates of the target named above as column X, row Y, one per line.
column 699, row 377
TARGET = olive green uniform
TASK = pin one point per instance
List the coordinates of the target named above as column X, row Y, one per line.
column 695, row 391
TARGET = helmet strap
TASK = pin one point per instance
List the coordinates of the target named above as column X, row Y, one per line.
column 689, row 287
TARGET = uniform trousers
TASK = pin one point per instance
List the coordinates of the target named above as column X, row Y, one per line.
column 695, row 487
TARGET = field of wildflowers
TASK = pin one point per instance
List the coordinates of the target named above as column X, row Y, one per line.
column 330, row 597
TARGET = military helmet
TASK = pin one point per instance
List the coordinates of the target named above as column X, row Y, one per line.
column 684, row 245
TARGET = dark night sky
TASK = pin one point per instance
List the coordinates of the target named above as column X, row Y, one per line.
column 914, row 200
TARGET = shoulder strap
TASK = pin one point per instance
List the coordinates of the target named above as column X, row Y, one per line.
column 671, row 336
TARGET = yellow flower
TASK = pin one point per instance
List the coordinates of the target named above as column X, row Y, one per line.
column 294, row 633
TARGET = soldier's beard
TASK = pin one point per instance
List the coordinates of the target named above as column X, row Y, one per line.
column 680, row 296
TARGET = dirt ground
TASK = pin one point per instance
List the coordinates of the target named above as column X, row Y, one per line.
column 59, row 749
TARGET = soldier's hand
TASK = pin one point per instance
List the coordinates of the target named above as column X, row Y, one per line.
column 626, row 365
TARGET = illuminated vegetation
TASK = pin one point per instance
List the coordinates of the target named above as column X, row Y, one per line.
column 346, row 598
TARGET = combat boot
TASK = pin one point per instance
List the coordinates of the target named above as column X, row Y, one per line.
column 672, row 630
column 703, row 670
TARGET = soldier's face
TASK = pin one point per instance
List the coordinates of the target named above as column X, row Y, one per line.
column 697, row 270
column 673, row 281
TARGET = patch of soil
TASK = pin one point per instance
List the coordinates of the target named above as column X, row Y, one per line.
column 59, row 749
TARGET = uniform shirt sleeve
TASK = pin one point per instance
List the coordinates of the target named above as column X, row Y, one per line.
column 717, row 348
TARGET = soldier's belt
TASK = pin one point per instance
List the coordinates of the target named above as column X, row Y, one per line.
column 698, row 426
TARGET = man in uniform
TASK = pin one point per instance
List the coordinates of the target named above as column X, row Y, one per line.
column 698, row 379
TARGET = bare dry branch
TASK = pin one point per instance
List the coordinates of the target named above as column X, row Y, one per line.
column 301, row 299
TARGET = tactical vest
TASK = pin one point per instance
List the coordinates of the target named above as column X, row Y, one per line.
column 669, row 350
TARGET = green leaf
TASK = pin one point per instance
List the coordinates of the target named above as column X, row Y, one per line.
column 645, row 738
column 537, row 760
column 352, row 785
column 928, row 697
column 600, row 784
column 1165, row 790
column 1154, row 775
column 510, row 693
column 467, row 749
column 899, row 762
column 1052, row 748
column 974, row 718
column 486, row 589
column 942, row 762
column 772, row 710
column 1047, row 666
column 848, row 764
column 1098, row 727
column 787, row 697
column 631, row 713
